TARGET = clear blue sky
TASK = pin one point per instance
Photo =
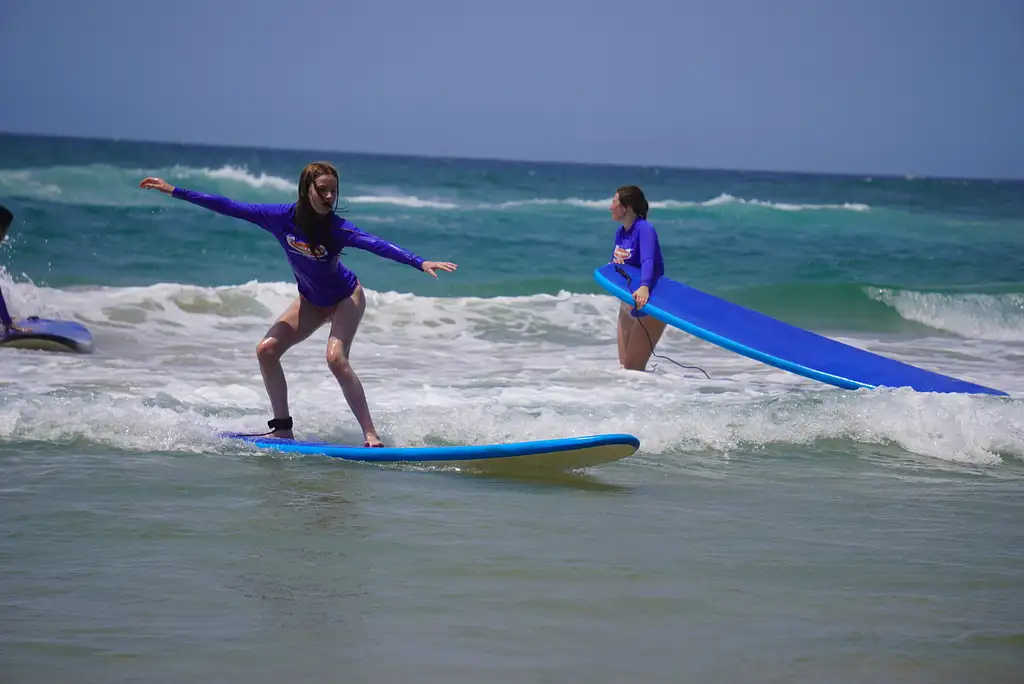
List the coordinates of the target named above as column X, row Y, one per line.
column 926, row 87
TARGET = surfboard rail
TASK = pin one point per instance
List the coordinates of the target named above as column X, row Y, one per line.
column 570, row 453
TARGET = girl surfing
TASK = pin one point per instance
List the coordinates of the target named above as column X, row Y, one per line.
column 312, row 236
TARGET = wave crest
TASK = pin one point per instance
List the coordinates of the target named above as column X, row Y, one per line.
column 106, row 185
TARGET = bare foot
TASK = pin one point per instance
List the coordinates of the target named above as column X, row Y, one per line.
column 282, row 434
column 372, row 440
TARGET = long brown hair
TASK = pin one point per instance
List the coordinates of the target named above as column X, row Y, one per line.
column 316, row 228
column 6, row 218
column 633, row 197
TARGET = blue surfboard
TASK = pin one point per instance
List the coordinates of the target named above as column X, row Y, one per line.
column 774, row 342
column 571, row 453
column 47, row 334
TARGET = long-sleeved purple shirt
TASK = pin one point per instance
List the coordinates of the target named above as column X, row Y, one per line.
column 639, row 248
column 322, row 278
column 5, row 316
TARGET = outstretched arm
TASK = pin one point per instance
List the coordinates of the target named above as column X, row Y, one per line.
column 222, row 205
column 371, row 243
column 379, row 246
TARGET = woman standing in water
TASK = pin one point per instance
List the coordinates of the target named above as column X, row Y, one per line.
column 312, row 236
column 636, row 244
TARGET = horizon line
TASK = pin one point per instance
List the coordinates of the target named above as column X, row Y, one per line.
column 549, row 162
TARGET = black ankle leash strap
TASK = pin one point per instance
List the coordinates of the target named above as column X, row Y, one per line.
column 274, row 424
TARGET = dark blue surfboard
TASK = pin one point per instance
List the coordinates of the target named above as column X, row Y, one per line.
column 47, row 334
column 774, row 342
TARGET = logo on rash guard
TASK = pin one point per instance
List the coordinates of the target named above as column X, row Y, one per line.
column 304, row 249
column 620, row 254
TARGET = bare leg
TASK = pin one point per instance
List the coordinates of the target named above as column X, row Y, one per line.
column 639, row 347
column 625, row 327
column 299, row 321
column 344, row 324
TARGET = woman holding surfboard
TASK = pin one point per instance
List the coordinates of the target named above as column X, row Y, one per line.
column 312, row 236
column 636, row 244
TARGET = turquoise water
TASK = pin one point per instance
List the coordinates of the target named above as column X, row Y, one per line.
column 770, row 528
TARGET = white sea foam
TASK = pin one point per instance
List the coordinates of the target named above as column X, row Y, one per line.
column 175, row 363
column 978, row 316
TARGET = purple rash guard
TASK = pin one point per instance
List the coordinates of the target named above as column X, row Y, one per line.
column 5, row 317
column 639, row 247
column 322, row 278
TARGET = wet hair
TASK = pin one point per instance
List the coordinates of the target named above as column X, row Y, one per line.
column 633, row 197
column 6, row 218
column 316, row 228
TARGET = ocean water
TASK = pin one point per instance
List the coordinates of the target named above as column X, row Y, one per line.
column 771, row 528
